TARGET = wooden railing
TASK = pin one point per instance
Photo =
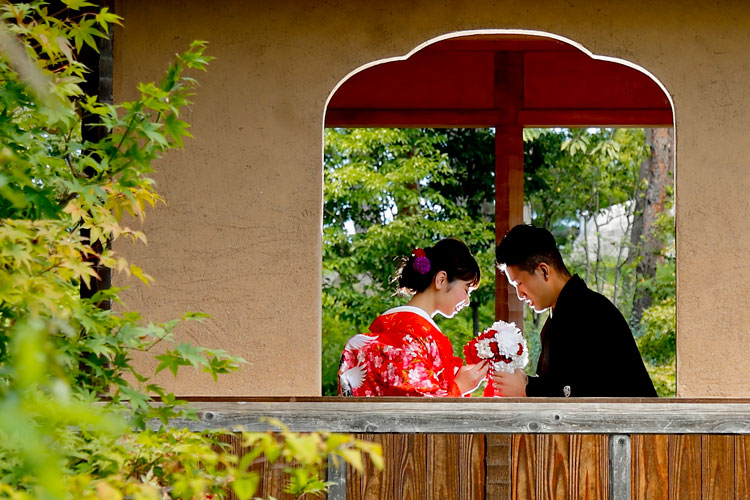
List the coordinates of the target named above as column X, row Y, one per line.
column 519, row 448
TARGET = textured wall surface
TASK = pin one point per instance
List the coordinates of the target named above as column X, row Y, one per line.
column 240, row 237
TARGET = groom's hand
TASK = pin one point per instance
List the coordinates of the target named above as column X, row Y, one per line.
column 510, row 385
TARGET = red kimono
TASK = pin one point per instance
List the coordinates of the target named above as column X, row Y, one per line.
column 404, row 354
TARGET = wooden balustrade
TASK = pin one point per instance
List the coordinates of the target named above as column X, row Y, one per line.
column 503, row 449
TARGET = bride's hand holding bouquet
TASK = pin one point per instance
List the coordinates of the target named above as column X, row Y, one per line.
column 503, row 346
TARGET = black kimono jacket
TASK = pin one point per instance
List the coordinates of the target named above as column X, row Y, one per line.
column 588, row 350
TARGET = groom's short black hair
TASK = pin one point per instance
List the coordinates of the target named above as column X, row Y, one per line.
column 526, row 246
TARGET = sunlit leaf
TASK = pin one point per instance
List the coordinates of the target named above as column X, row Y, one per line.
column 244, row 487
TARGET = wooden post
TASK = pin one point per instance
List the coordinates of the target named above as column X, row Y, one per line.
column 337, row 477
column 619, row 466
column 508, row 170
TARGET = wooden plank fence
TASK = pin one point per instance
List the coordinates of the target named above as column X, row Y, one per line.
column 523, row 449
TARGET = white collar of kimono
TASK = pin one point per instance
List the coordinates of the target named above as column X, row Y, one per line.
column 414, row 310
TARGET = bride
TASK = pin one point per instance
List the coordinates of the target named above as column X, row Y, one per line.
column 405, row 353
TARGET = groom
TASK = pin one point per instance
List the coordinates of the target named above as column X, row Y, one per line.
column 587, row 347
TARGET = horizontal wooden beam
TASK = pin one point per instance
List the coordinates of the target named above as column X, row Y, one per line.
column 405, row 118
column 467, row 118
column 595, row 117
column 485, row 416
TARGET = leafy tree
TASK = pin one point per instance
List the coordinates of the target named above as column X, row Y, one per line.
column 657, row 326
column 471, row 183
column 72, row 424
column 551, row 184
column 608, row 163
column 656, row 177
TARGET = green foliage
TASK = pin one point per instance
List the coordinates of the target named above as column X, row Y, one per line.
column 382, row 181
column 336, row 331
column 608, row 171
column 657, row 329
column 663, row 377
column 306, row 455
column 658, row 339
column 551, row 188
column 574, row 174
column 73, row 407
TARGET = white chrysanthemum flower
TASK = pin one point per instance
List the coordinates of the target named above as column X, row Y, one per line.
column 484, row 350
column 507, row 345
column 508, row 338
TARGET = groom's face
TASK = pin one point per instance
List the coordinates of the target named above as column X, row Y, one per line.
column 531, row 288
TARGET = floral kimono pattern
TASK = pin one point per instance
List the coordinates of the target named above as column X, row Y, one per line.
column 403, row 354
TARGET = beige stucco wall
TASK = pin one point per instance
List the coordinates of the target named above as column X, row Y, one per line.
column 240, row 237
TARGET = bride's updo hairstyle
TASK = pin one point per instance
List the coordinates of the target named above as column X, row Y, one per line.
column 450, row 255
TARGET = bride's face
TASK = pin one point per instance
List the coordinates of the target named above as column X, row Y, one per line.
column 454, row 297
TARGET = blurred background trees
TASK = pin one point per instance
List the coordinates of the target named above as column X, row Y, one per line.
column 606, row 195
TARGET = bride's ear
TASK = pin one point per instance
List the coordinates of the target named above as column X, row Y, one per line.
column 440, row 280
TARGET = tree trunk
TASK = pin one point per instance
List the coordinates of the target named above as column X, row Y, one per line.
column 475, row 317
column 655, row 176
column 599, row 264
column 623, row 250
column 98, row 82
column 586, row 248
column 598, row 235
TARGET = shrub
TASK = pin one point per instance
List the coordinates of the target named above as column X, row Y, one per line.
column 73, row 408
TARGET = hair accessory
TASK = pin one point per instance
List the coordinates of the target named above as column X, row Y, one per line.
column 421, row 262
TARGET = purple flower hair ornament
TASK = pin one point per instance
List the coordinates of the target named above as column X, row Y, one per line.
column 421, row 262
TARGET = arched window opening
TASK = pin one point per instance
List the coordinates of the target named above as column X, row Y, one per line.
column 471, row 135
